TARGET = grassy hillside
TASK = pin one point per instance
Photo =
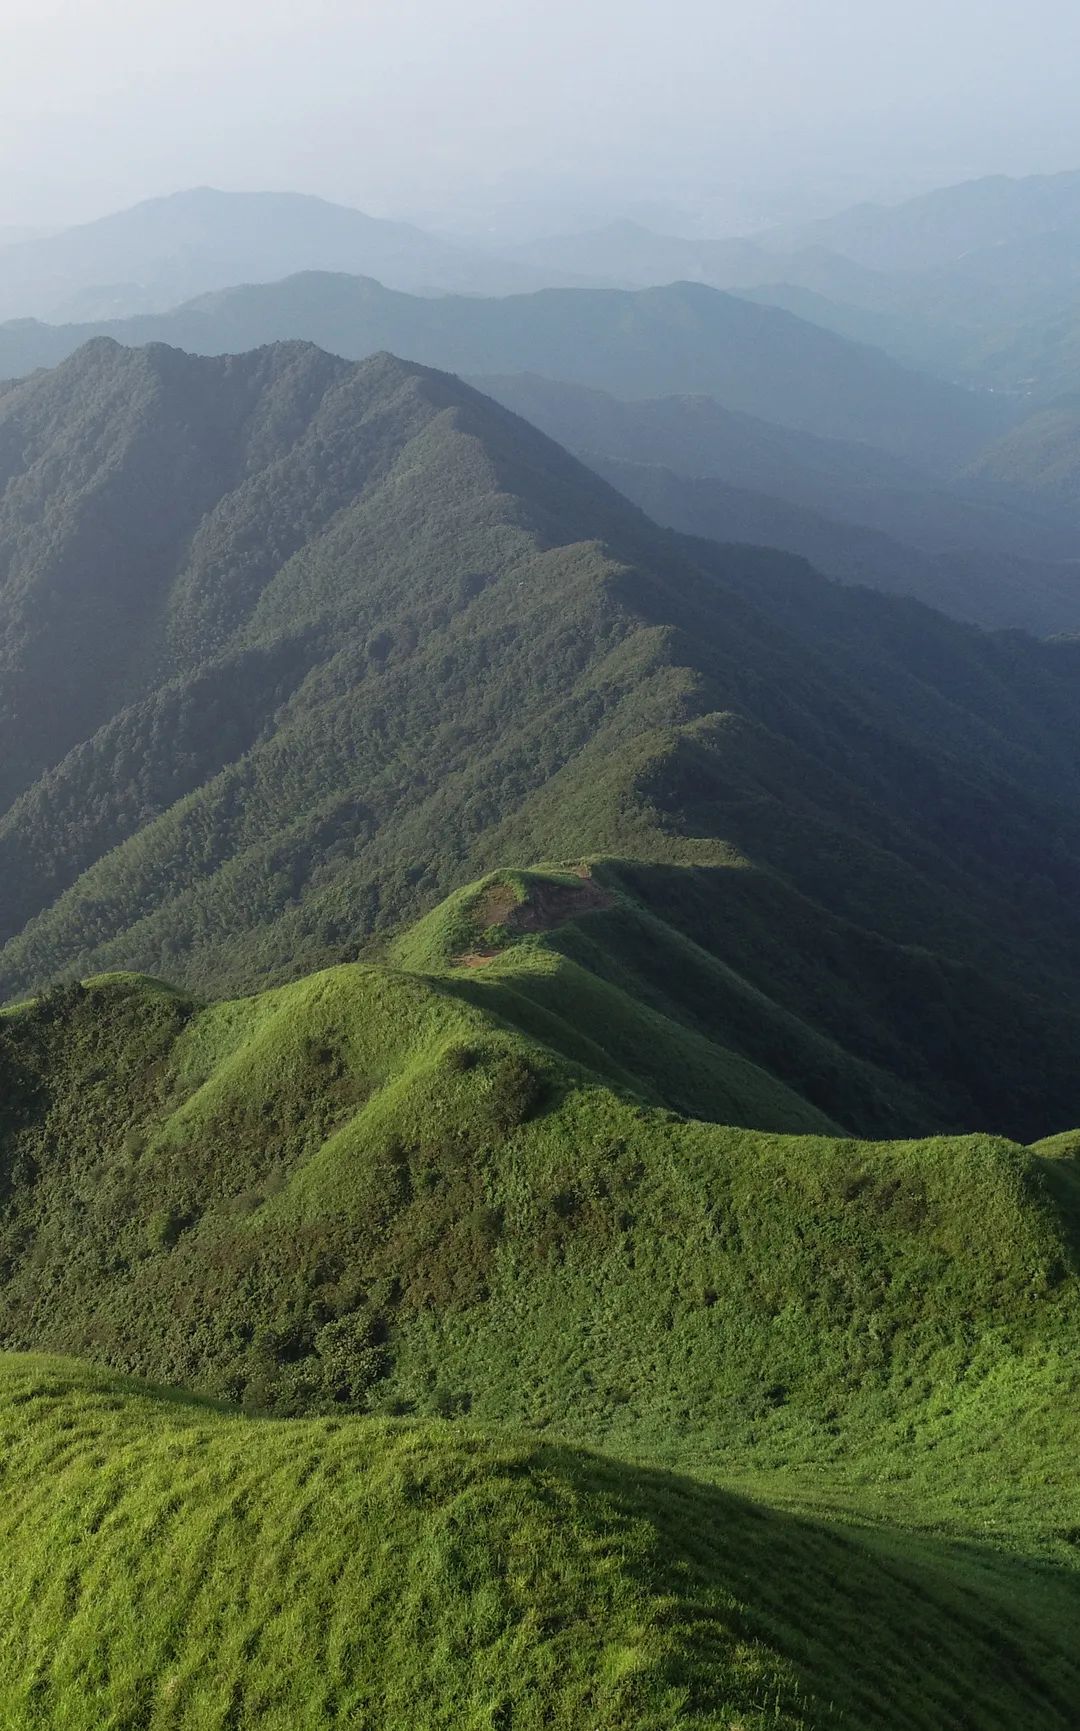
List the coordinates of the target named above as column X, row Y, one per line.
column 643, row 343
column 448, row 1578
column 439, row 1217
column 581, row 1359
column 457, row 1183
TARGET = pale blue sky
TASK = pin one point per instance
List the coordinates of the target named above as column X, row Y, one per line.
column 453, row 109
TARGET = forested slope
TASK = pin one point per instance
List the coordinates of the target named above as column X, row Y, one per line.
column 994, row 549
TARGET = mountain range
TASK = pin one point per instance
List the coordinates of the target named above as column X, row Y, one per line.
column 165, row 250
column 969, row 283
column 976, row 282
column 996, row 547
column 645, row 343
column 540, row 965
column 939, row 227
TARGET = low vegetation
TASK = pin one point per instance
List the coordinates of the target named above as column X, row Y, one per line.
column 169, row 1563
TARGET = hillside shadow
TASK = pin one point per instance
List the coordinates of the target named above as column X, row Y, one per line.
column 870, row 1626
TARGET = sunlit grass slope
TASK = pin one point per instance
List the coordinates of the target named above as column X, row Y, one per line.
column 172, row 1564
column 439, row 1229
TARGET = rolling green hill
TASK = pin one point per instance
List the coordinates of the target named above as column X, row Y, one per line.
column 683, row 337
column 448, row 1192
column 387, row 1183
column 453, row 1579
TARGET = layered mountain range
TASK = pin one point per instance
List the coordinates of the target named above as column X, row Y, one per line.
column 685, row 337
column 160, row 252
column 975, row 282
column 541, row 962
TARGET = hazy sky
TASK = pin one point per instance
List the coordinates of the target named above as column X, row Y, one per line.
column 449, row 109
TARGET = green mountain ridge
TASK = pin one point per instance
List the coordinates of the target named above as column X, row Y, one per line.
column 398, row 1134
column 390, row 636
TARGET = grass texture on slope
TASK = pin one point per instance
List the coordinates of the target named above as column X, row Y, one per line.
column 173, row 1564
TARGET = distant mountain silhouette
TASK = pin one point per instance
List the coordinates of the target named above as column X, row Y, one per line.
column 942, row 226
column 165, row 250
column 685, row 337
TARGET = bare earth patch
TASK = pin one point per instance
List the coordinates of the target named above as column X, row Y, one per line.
column 547, row 905
column 495, row 905
column 550, row 905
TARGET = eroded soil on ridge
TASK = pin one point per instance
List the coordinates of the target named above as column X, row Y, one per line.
column 546, row 905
